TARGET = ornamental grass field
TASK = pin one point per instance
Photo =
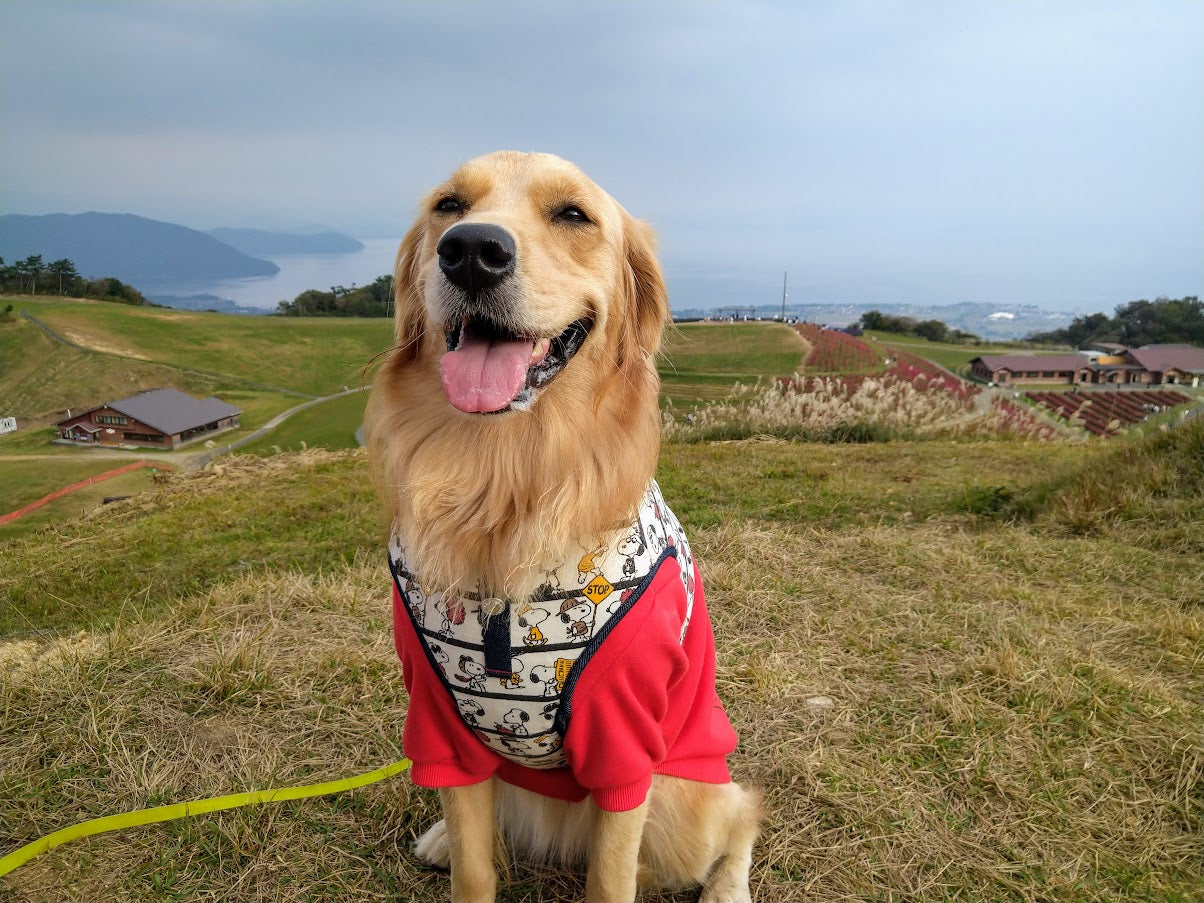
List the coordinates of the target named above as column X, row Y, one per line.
column 905, row 402
column 961, row 671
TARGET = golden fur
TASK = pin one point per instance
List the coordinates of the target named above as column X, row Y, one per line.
column 490, row 501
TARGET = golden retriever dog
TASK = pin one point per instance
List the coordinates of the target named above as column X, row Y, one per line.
column 547, row 610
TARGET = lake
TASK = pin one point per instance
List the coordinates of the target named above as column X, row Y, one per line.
column 298, row 272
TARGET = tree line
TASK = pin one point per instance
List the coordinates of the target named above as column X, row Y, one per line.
column 60, row 277
column 1162, row 321
column 373, row 300
column 933, row 330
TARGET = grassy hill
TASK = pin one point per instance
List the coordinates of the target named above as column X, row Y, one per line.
column 40, row 377
column 961, row 670
column 951, row 356
column 702, row 362
column 939, row 704
column 314, row 356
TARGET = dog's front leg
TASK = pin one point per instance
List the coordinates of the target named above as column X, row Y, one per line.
column 468, row 814
column 614, row 853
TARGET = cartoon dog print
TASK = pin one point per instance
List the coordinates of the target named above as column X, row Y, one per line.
column 452, row 611
column 515, row 679
column 416, row 600
column 546, row 675
column 531, row 619
column 588, row 566
column 547, row 745
column 475, row 671
column 439, row 654
column 656, row 538
column 470, row 711
column 578, row 618
column 632, row 547
column 518, row 747
column 551, row 584
column 616, row 603
column 514, row 722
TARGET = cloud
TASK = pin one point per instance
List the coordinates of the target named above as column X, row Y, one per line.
column 1041, row 148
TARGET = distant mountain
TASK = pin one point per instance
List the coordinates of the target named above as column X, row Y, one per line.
column 132, row 248
column 990, row 321
column 259, row 243
column 206, row 302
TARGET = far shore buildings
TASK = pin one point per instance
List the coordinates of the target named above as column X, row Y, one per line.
column 1103, row 364
column 159, row 418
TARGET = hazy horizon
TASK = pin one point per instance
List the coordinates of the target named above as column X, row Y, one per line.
column 882, row 152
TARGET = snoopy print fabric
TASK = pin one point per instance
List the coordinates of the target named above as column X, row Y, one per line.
column 510, row 666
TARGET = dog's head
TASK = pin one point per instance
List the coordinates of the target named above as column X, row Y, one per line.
column 517, row 269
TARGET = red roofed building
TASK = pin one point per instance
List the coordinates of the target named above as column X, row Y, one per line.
column 1004, row 369
column 1150, row 365
column 159, row 418
column 1170, row 364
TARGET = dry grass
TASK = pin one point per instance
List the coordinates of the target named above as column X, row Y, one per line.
column 936, row 711
column 837, row 409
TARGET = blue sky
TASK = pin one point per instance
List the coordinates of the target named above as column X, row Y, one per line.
column 931, row 152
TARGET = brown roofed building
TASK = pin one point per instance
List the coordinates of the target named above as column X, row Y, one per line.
column 1170, row 364
column 1004, row 369
column 1147, row 366
column 160, row 418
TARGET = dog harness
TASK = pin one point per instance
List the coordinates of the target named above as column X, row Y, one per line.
column 511, row 667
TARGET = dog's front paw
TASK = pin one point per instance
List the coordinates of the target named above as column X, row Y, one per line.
column 726, row 887
column 432, row 846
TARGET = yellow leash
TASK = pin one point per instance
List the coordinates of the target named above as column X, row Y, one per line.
column 19, row 857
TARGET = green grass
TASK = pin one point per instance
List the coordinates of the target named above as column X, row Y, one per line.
column 40, row 378
column 78, row 504
column 961, row 671
column 317, row 356
column 24, row 481
column 170, row 545
column 704, row 361
column 852, row 485
column 939, row 705
column 331, row 424
column 950, row 356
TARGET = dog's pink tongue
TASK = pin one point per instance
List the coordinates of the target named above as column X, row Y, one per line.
column 485, row 375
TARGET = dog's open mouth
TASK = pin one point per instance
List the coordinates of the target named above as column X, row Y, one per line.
column 488, row 369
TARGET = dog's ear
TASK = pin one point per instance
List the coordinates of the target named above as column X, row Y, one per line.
column 647, row 299
column 407, row 293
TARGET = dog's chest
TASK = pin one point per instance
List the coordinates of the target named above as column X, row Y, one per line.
column 511, row 666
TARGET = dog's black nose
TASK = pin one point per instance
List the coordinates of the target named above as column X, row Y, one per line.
column 476, row 256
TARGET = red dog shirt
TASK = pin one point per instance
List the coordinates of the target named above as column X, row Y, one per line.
column 604, row 677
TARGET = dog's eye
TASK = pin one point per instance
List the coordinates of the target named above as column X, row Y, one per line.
column 572, row 214
column 449, row 205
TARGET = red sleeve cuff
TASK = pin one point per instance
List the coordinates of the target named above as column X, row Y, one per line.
column 443, row 774
column 623, row 797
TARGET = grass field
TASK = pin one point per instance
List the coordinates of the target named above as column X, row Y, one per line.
column 317, row 356
column 24, row 481
column 40, row 377
column 951, row 357
column 702, row 362
column 960, row 671
column 78, row 504
column 331, row 424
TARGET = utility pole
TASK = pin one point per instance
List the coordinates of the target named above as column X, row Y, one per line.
column 785, row 273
